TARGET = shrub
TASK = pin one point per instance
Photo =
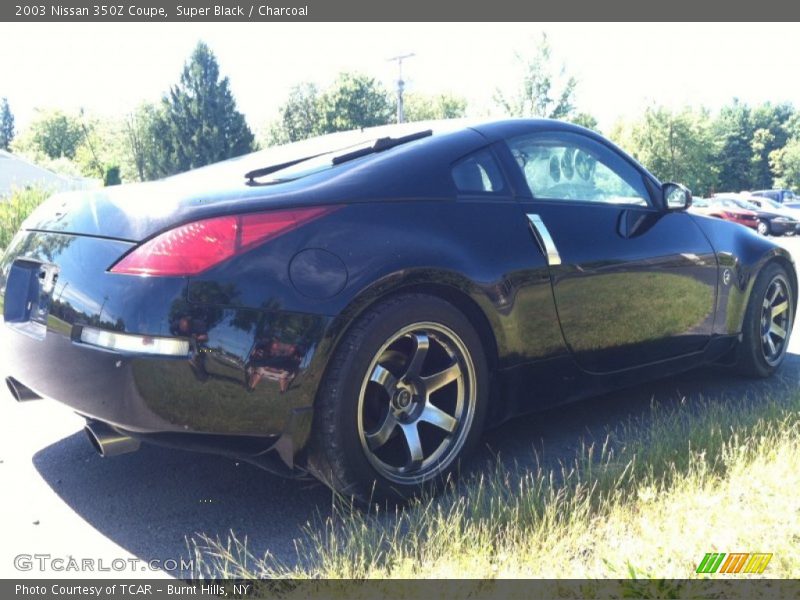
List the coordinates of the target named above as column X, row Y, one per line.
column 15, row 208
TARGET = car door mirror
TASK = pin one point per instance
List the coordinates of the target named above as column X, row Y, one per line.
column 676, row 196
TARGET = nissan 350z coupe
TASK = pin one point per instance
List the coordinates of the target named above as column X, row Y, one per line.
column 361, row 306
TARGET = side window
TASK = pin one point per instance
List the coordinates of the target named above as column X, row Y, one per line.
column 566, row 166
column 478, row 173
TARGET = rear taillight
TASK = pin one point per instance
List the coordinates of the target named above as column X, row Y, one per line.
column 195, row 247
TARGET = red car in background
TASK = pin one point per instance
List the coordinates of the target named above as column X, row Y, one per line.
column 726, row 209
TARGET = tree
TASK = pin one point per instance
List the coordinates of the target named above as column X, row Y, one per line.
column 53, row 134
column 300, row 116
column 544, row 90
column 6, row 125
column 675, row 146
column 203, row 125
column 423, row 107
column 733, row 130
column 785, row 163
column 584, row 119
column 148, row 148
column 354, row 101
column 770, row 133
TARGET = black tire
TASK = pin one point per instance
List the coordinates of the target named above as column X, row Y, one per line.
column 754, row 355
column 762, row 228
column 339, row 452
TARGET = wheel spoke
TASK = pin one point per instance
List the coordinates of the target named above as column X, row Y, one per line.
column 382, row 435
column 438, row 380
column 776, row 329
column 421, row 351
column 775, row 293
column 415, row 456
column 779, row 309
column 384, row 378
column 436, row 416
column 768, row 339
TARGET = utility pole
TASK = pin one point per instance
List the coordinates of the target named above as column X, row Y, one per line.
column 400, row 84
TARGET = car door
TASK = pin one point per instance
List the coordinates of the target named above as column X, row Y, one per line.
column 633, row 283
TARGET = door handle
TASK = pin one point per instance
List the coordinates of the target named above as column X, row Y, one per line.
column 545, row 240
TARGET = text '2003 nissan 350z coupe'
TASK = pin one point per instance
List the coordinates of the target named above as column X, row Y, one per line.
column 361, row 306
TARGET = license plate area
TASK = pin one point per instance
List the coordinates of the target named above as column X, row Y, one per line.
column 29, row 293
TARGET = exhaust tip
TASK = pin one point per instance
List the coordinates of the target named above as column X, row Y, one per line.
column 107, row 441
column 20, row 392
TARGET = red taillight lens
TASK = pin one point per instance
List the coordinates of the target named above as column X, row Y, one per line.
column 195, row 247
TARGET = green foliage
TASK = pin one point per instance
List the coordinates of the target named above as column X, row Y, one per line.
column 147, row 152
column 770, row 133
column 786, row 165
column 200, row 123
column 300, row 116
column 353, row 101
column 6, row 125
column 15, row 209
column 674, row 146
column 423, row 107
column 733, row 131
column 544, row 90
column 53, row 134
column 585, row 119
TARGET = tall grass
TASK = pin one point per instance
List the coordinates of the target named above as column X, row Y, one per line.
column 649, row 501
column 15, row 208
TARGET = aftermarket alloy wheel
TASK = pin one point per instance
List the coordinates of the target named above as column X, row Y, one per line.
column 775, row 320
column 403, row 400
column 417, row 403
column 767, row 323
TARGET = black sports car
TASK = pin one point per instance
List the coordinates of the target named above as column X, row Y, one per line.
column 361, row 306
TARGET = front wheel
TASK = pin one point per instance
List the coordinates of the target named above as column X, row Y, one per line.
column 767, row 323
column 403, row 400
column 762, row 228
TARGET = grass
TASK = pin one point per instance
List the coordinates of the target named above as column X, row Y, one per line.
column 715, row 475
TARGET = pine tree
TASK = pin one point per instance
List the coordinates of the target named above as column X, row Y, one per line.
column 203, row 125
column 6, row 125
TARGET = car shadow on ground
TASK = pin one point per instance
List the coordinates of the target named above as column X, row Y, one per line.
column 149, row 502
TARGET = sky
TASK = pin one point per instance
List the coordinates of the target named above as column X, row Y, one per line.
column 109, row 68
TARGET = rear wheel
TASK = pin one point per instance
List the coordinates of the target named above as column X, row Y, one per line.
column 403, row 400
column 767, row 323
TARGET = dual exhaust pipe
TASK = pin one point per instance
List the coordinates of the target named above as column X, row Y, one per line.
column 106, row 440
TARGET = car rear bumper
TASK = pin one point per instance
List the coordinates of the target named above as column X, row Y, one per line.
column 246, row 383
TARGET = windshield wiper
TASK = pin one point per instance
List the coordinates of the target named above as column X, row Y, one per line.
column 380, row 145
column 252, row 175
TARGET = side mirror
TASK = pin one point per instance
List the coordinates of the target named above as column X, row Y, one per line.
column 676, row 196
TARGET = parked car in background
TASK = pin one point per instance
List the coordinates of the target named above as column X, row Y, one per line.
column 361, row 306
column 725, row 210
column 769, row 222
column 771, row 205
column 781, row 196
